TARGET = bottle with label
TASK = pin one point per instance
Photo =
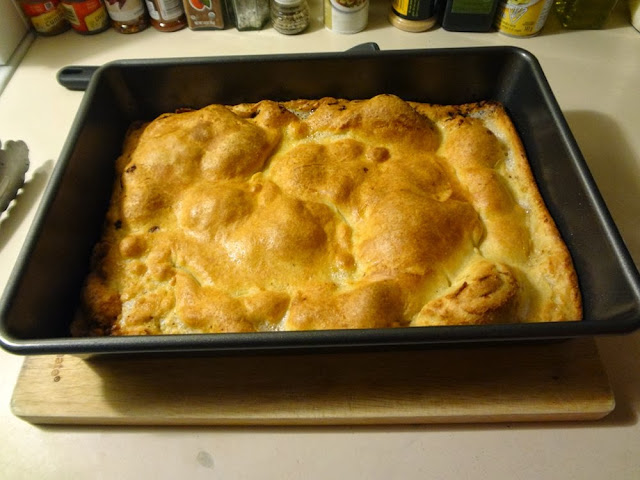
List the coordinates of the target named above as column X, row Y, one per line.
column 583, row 14
column 166, row 15
column 412, row 15
column 204, row 14
column 127, row 16
column 346, row 16
column 46, row 16
column 86, row 16
column 466, row 15
column 289, row 16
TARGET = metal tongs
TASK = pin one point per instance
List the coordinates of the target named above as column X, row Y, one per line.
column 14, row 163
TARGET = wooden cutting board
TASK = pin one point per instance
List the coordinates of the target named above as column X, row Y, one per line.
column 554, row 381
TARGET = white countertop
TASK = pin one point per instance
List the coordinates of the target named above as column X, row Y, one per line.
column 594, row 75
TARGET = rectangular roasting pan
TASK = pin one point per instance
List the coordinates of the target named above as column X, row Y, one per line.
column 42, row 294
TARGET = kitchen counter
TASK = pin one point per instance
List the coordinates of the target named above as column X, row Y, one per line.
column 594, row 75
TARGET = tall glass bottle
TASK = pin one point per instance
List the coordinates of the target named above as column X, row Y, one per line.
column 467, row 15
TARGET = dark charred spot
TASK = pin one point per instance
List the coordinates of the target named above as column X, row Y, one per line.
column 131, row 169
column 117, row 224
column 460, row 289
column 155, row 228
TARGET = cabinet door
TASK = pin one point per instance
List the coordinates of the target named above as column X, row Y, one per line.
column 13, row 27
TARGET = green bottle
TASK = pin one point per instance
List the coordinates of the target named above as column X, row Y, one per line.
column 584, row 14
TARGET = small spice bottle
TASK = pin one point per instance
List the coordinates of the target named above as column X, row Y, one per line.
column 289, row 16
column 166, row 15
column 46, row 16
column 251, row 14
column 127, row 16
column 86, row 16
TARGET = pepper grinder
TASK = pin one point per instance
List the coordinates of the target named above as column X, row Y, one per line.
column 290, row 16
column 251, row 14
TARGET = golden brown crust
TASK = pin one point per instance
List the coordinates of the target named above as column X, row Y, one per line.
column 326, row 214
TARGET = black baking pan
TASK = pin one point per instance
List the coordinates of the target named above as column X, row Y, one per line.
column 41, row 297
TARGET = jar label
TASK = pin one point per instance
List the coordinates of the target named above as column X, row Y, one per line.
column 346, row 16
column 33, row 9
column 96, row 20
column 88, row 16
column 46, row 16
column 204, row 14
column 49, row 21
column 477, row 7
column 165, row 10
column 125, row 10
column 413, row 9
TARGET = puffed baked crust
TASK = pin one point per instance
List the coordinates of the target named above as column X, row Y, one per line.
column 326, row 214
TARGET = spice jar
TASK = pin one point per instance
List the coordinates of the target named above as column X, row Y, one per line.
column 251, row 14
column 86, row 16
column 46, row 16
column 127, row 16
column 166, row 15
column 289, row 16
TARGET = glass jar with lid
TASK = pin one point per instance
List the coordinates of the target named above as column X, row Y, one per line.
column 290, row 16
column 86, row 17
column 46, row 16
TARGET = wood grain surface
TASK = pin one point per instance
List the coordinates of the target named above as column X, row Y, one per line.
column 535, row 382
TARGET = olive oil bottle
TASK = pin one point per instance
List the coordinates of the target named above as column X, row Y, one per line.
column 466, row 15
column 584, row 14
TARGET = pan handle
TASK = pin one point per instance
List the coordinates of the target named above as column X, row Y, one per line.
column 76, row 77
column 365, row 47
